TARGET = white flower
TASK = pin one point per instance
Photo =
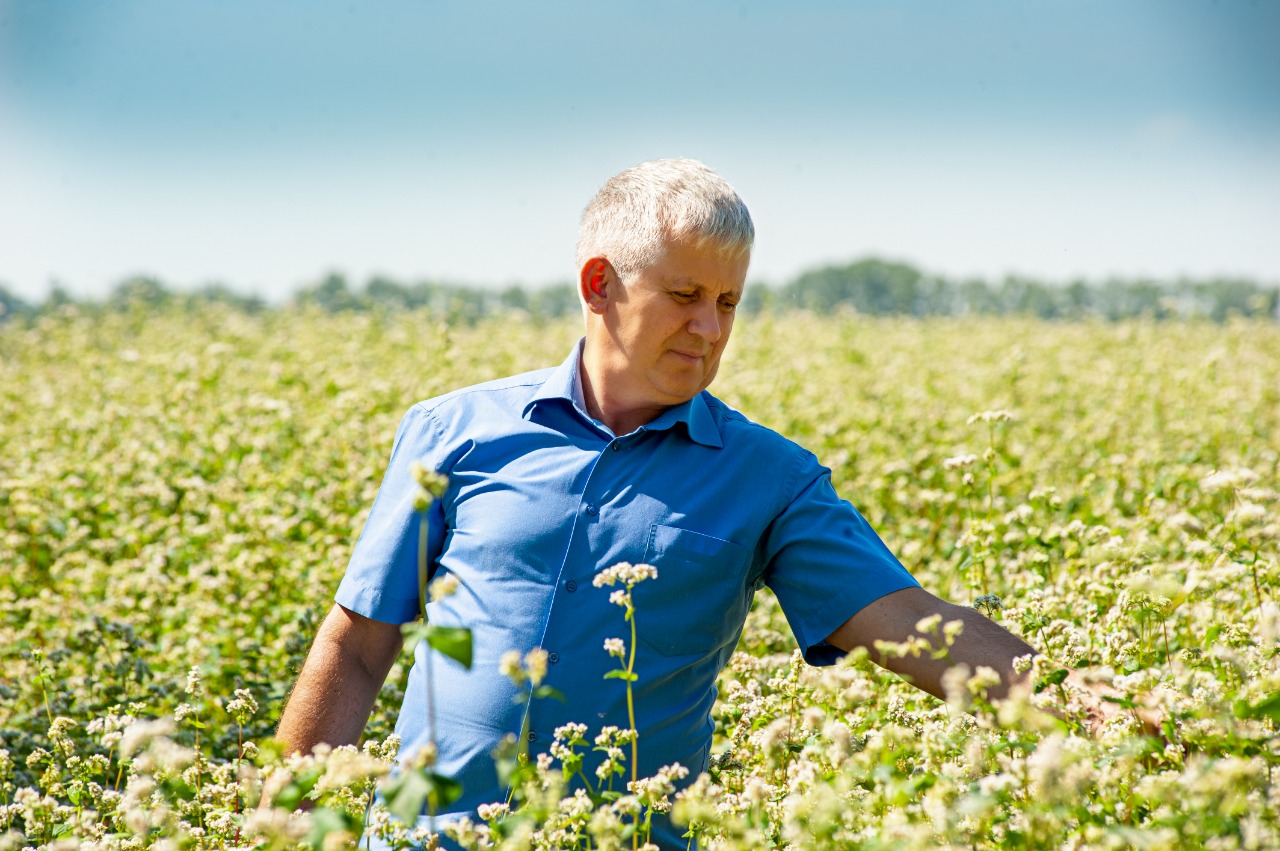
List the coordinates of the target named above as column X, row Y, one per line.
column 489, row 812
column 535, row 665
column 959, row 462
column 139, row 733
column 991, row 417
column 242, row 707
column 445, row 585
column 626, row 573
column 509, row 666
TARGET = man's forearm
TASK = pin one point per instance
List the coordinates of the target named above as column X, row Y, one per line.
column 338, row 684
column 981, row 643
column 893, row 619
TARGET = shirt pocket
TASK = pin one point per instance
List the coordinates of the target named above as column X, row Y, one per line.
column 699, row 600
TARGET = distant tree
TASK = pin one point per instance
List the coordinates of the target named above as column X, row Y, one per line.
column 330, row 294
column 554, row 301
column 59, row 297
column 1026, row 296
column 870, row 286
column 973, row 295
column 759, row 298
column 13, row 307
column 1226, row 297
column 1077, row 300
column 223, row 295
column 140, row 293
column 514, row 298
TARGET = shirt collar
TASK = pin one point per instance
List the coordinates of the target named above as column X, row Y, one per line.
column 565, row 385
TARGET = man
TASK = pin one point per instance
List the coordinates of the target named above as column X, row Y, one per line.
column 617, row 455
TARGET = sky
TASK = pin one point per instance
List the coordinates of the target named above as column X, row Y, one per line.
column 264, row 144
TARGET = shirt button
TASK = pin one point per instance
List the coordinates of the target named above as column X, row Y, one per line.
column 553, row 658
column 592, row 510
column 533, row 737
column 571, row 586
column 616, row 446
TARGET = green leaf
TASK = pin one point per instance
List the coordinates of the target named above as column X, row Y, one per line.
column 622, row 675
column 292, row 795
column 547, row 691
column 444, row 790
column 506, row 760
column 1267, row 707
column 452, row 641
column 414, row 632
column 406, row 794
column 1052, row 678
column 325, row 821
column 1123, row 702
column 510, row 824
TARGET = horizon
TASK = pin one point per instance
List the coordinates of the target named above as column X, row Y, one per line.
column 357, row 286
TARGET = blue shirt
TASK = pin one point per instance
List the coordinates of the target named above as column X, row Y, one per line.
column 540, row 498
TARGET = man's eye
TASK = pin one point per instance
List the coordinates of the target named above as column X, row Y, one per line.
column 686, row 296
column 728, row 305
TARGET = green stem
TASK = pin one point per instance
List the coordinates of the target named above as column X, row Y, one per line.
column 423, row 539
column 631, row 710
column 631, row 706
column 422, row 566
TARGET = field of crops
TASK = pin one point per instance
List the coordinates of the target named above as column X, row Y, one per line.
column 179, row 494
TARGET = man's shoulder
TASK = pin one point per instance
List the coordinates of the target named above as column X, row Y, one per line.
column 737, row 428
column 513, row 392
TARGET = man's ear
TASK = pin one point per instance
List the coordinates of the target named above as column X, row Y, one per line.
column 594, row 280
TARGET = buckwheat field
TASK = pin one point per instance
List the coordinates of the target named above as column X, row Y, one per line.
column 180, row 491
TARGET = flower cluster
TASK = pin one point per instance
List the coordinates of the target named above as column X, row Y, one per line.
column 625, row 573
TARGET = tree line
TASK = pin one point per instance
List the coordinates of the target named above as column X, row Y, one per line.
column 869, row 286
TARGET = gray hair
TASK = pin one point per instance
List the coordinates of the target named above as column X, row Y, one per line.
column 638, row 210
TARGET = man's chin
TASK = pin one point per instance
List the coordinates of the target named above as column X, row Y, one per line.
column 679, row 393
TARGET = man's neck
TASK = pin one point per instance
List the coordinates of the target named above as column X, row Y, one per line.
column 619, row 417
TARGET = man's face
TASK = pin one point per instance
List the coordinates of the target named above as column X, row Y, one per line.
column 668, row 324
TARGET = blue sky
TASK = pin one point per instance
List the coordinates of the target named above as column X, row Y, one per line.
column 261, row 144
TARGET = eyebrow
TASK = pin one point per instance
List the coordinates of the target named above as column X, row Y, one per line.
column 691, row 282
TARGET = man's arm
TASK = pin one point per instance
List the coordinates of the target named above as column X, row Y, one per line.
column 339, row 681
column 981, row 643
column 894, row 616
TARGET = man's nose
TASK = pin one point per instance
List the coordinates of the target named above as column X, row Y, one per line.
column 705, row 322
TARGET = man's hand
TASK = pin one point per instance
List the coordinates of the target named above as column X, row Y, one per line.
column 339, row 681
column 1102, row 702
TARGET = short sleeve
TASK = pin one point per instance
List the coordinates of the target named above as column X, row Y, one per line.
column 381, row 581
column 824, row 562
